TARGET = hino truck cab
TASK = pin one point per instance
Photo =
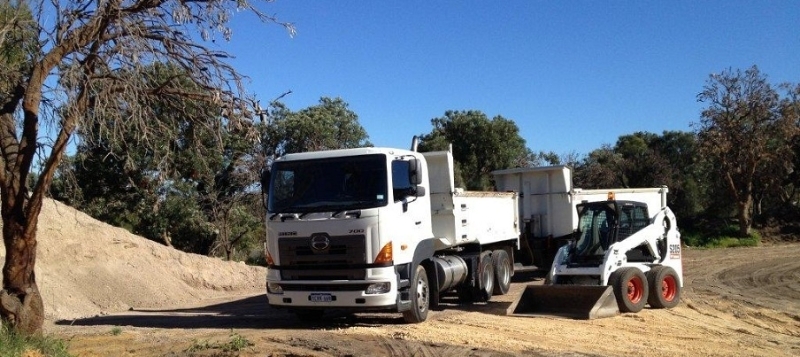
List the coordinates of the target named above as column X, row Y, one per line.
column 343, row 228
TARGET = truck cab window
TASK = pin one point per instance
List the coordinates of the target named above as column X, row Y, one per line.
column 401, row 182
column 328, row 185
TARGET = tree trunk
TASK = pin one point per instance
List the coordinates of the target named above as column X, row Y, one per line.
column 744, row 217
column 21, row 304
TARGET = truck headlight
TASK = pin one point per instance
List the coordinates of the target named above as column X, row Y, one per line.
column 379, row 288
column 274, row 288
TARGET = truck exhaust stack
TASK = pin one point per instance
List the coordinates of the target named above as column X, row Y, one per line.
column 573, row 301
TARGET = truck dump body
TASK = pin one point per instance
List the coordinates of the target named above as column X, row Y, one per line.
column 464, row 217
column 474, row 217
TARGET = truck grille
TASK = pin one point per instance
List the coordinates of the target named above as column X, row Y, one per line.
column 299, row 261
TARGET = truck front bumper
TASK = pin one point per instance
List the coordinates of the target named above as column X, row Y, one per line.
column 379, row 291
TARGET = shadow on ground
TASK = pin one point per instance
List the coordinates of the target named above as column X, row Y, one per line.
column 254, row 312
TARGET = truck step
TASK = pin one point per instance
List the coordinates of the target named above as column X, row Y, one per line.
column 404, row 283
column 519, row 268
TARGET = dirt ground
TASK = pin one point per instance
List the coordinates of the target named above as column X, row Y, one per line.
column 109, row 293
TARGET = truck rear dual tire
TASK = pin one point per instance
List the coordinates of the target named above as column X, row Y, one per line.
column 665, row 291
column 483, row 286
column 502, row 272
column 420, row 297
column 630, row 288
column 486, row 275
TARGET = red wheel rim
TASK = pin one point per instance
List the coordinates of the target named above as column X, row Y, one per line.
column 668, row 288
column 635, row 289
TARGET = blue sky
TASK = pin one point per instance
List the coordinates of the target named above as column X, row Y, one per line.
column 573, row 75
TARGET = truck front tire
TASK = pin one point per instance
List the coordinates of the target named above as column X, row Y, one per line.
column 420, row 297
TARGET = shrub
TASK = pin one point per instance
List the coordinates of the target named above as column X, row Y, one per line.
column 16, row 345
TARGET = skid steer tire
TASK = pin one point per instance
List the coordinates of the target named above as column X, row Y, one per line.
column 631, row 289
column 665, row 292
column 420, row 297
column 502, row 272
column 485, row 276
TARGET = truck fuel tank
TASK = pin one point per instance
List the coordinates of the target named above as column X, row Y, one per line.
column 451, row 271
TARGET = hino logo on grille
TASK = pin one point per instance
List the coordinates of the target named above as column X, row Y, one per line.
column 320, row 241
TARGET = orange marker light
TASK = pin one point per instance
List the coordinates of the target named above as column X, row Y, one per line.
column 385, row 255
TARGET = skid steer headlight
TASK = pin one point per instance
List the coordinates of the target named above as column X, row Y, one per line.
column 379, row 288
column 274, row 288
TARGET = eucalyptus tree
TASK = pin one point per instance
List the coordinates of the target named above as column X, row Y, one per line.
column 82, row 72
column 330, row 124
column 743, row 132
column 480, row 145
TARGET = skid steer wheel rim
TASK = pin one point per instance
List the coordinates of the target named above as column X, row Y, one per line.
column 635, row 289
column 669, row 287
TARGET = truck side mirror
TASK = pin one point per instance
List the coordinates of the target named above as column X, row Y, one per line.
column 265, row 177
column 415, row 172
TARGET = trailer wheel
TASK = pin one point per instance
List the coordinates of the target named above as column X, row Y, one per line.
column 486, row 275
column 631, row 289
column 420, row 297
column 502, row 272
column 665, row 291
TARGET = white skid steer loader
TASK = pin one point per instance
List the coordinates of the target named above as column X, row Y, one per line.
column 618, row 260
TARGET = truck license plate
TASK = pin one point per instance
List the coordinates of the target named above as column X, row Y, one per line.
column 320, row 297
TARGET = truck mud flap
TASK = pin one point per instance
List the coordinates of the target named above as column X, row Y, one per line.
column 572, row 301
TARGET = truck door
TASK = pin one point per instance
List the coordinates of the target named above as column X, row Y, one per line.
column 411, row 211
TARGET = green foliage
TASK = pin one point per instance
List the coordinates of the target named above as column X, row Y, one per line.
column 13, row 344
column 197, row 191
column 326, row 126
column 170, row 190
column 18, row 44
column 236, row 343
column 480, row 145
column 645, row 159
column 727, row 238
column 116, row 331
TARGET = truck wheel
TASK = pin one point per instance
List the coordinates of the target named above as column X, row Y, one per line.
column 486, row 275
column 502, row 271
column 420, row 297
column 631, row 289
column 665, row 292
column 309, row 315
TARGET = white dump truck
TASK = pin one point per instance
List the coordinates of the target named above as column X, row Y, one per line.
column 386, row 229
column 382, row 229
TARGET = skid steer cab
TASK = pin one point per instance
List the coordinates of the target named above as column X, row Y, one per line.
column 620, row 259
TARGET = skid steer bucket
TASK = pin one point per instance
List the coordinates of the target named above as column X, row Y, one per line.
column 573, row 301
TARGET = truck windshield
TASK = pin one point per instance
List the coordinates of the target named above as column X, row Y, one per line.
column 333, row 184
